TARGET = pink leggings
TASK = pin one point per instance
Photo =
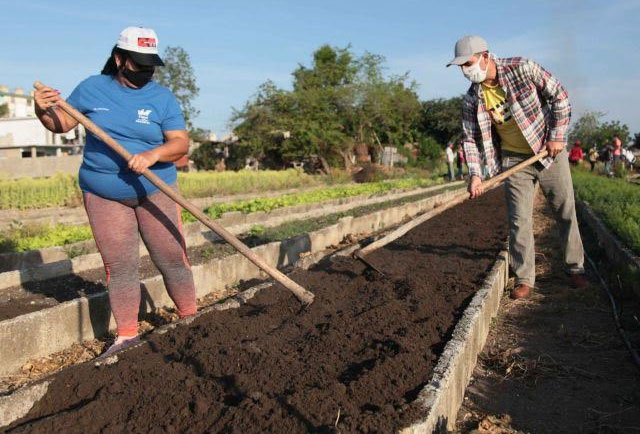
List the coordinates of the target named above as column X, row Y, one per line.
column 115, row 226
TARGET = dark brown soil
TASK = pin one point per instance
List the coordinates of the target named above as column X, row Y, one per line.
column 354, row 361
column 38, row 295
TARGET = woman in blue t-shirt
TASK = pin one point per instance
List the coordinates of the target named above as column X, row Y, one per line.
column 146, row 119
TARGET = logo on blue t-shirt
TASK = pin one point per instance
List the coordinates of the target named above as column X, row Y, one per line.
column 143, row 116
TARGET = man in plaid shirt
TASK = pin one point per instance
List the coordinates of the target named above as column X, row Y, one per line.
column 519, row 106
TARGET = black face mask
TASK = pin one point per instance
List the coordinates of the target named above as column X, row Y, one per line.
column 138, row 78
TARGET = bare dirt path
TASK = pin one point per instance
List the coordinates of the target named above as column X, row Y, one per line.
column 554, row 363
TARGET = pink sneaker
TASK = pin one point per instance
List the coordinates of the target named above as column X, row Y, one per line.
column 120, row 343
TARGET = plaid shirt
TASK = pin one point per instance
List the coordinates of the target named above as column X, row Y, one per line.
column 538, row 102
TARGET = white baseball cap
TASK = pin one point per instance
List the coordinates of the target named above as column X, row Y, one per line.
column 466, row 47
column 142, row 45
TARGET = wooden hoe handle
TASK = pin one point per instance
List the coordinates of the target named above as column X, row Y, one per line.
column 455, row 200
column 302, row 294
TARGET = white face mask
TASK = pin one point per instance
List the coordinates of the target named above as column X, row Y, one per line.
column 474, row 73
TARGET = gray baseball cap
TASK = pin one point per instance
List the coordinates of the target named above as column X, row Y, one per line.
column 466, row 47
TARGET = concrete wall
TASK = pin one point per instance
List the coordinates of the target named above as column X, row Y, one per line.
column 26, row 131
column 39, row 167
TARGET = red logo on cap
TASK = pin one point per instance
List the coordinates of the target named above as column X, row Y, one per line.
column 147, row 42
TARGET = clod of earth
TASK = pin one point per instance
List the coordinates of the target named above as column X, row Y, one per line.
column 354, row 361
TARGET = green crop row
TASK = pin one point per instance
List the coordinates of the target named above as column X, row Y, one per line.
column 314, row 196
column 34, row 237
column 616, row 201
column 63, row 190
column 205, row 184
column 31, row 237
column 59, row 190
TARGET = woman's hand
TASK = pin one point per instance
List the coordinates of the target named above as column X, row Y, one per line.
column 142, row 161
column 46, row 98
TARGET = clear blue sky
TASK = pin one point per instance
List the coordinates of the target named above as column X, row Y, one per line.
column 592, row 46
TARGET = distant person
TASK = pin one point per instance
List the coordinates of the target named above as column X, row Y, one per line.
column 459, row 161
column 607, row 158
column 450, row 159
column 530, row 111
column 628, row 158
column 576, row 155
column 146, row 119
column 593, row 157
column 617, row 150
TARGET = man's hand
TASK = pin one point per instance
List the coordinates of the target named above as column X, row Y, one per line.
column 140, row 162
column 475, row 187
column 554, row 148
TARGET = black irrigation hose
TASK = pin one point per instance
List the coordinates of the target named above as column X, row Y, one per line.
column 634, row 354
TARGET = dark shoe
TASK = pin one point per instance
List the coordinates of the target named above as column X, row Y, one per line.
column 578, row 281
column 521, row 291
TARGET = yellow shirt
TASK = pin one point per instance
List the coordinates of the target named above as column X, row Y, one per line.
column 508, row 130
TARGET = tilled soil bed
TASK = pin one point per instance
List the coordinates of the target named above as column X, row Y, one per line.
column 41, row 294
column 354, row 361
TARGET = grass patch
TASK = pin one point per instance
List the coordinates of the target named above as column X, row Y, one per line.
column 616, row 201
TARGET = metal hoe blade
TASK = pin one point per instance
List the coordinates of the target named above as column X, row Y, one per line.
column 358, row 256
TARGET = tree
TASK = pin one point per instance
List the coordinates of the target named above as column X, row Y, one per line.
column 264, row 118
column 430, row 152
column 591, row 131
column 586, row 129
column 636, row 140
column 199, row 134
column 340, row 100
column 442, row 119
column 178, row 75
column 387, row 109
column 609, row 130
column 4, row 110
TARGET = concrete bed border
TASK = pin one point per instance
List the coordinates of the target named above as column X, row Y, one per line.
column 441, row 397
column 616, row 251
column 49, row 330
column 51, row 262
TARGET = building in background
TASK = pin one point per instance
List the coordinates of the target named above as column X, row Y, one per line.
column 23, row 140
column 17, row 103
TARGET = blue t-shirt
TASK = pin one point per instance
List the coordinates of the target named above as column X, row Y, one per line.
column 135, row 118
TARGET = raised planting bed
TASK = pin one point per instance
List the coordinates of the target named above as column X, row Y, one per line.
column 76, row 308
column 79, row 256
column 363, row 357
column 36, row 288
